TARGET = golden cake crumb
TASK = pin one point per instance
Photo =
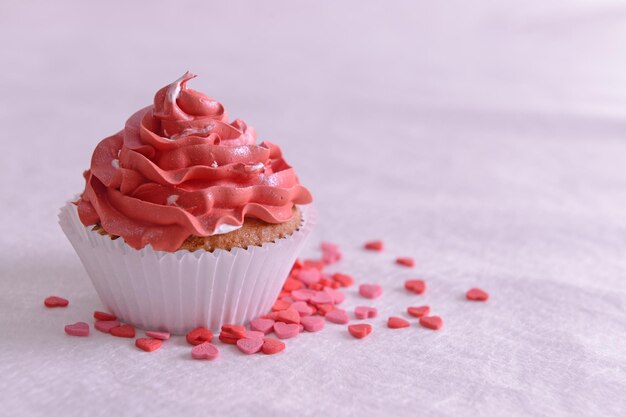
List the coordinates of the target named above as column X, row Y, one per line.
column 254, row 232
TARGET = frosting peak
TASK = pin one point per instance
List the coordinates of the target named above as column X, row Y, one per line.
column 179, row 168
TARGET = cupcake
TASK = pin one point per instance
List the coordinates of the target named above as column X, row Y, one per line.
column 185, row 220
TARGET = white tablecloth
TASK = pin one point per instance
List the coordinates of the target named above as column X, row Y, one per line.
column 485, row 139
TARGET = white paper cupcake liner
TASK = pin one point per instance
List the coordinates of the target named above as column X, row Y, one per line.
column 178, row 291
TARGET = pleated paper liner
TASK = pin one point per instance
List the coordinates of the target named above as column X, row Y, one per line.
column 177, row 291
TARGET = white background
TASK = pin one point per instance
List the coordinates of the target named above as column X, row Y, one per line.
column 487, row 139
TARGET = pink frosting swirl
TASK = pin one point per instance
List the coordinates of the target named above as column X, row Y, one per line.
column 179, row 168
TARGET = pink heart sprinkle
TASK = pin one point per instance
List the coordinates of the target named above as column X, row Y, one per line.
column 250, row 346
column 302, row 295
column 77, row 329
column 370, row 290
column 286, row 331
column 252, row 334
column 205, row 350
column 309, row 276
column 105, row 326
column 363, row 312
column 158, row 335
column 312, row 323
column 302, row 308
column 337, row 296
column 321, row 297
column 338, row 316
column 262, row 325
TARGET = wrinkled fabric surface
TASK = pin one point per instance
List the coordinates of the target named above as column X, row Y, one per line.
column 486, row 141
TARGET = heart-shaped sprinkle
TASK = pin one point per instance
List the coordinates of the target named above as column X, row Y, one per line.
column 343, row 279
column 290, row 315
column 125, row 330
column 417, row 286
column 270, row 316
column 280, row 305
column 312, row 323
column 312, row 263
column 338, row 316
column 302, row 308
column 292, row 284
column 253, row 334
column 148, row 344
column 370, row 291
column 250, row 346
column 363, row 312
column 337, row 296
column 77, row 329
column 406, row 261
column 309, row 276
column 158, row 335
column 321, row 297
column 262, row 325
column 476, row 294
column 376, row 245
column 205, row 350
column 322, row 309
column 303, row 294
column 272, row 346
column 199, row 335
column 330, row 253
column 102, row 316
column 286, row 331
column 55, row 301
column 360, row 330
column 397, row 323
column 431, row 322
column 418, row 311
column 105, row 326
column 235, row 330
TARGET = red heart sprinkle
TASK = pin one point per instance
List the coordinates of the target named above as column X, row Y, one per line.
column 54, row 301
column 397, row 323
column 77, row 329
column 280, row 305
column 476, row 294
column 199, row 335
column 406, row 261
column 323, row 309
column 417, row 286
column 376, row 245
column 431, row 322
column 418, row 311
column 292, row 285
column 343, row 279
column 102, row 316
column 272, row 346
column 125, row 330
column 205, row 350
column 148, row 344
column 360, row 330
column 249, row 346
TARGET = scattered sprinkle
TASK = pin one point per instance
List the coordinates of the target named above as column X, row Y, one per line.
column 55, row 301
